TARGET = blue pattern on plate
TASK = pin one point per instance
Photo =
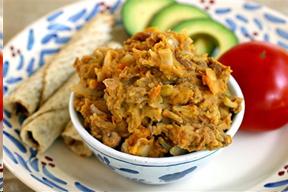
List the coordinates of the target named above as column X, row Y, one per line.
column 53, row 36
column 178, row 175
column 57, row 27
column 77, row 16
column 282, row 44
column 9, row 154
column 54, row 15
column 5, row 90
column 258, row 23
column 21, row 62
column 51, row 183
column 251, row 6
column 13, row 80
column 34, row 164
column 94, row 11
column 30, row 67
column 274, row 19
column 266, row 37
column 40, row 180
column 231, row 24
column 78, row 27
column 22, row 162
column 222, row 10
column 277, row 184
column 5, row 68
column 245, row 32
column 82, row 187
column 242, row 18
column 46, row 39
column 31, row 40
column 16, row 142
column 7, row 123
column 62, row 40
column 51, row 176
column 282, row 33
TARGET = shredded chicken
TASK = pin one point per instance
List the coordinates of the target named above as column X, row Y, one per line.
column 155, row 96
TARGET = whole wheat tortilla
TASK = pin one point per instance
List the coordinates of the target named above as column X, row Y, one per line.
column 33, row 92
column 42, row 128
column 74, row 142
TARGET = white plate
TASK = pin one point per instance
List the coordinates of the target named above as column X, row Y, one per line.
column 252, row 162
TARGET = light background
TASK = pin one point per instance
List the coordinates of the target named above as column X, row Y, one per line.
column 19, row 13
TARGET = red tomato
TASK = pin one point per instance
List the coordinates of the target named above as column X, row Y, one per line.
column 261, row 69
column 1, row 86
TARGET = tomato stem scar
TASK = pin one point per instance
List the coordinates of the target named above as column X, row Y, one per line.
column 263, row 54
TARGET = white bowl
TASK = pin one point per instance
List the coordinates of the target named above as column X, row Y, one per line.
column 152, row 170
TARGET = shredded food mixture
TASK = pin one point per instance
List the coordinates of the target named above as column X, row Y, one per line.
column 155, row 96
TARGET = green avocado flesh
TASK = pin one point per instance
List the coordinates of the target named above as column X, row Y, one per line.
column 174, row 13
column 136, row 14
column 224, row 38
column 204, row 44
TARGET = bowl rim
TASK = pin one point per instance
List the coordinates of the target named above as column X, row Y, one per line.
column 194, row 156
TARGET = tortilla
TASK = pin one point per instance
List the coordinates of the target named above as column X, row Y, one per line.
column 74, row 142
column 42, row 128
column 33, row 92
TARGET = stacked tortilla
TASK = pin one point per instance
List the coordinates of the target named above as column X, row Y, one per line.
column 44, row 97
